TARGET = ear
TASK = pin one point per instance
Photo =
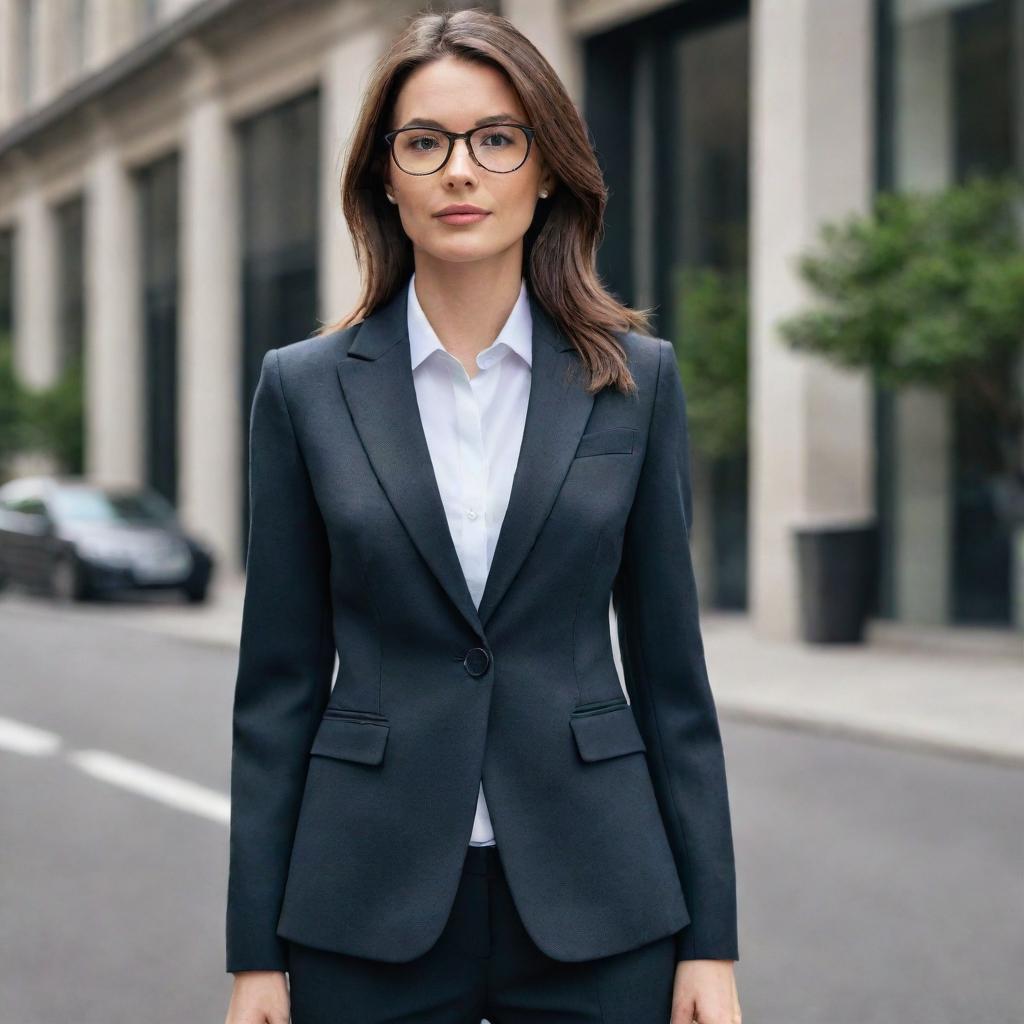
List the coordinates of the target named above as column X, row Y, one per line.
column 548, row 181
column 389, row 190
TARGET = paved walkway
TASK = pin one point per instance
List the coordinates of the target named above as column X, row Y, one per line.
column 957, row 690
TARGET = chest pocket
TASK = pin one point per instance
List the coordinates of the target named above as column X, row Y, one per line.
column 610, row 441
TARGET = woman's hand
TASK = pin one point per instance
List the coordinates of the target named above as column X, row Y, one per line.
column 705, row 991
column 259, row 997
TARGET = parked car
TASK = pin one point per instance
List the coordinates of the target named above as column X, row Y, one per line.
column 75, row 539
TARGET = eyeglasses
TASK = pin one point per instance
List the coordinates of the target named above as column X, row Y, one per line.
column 500, row 148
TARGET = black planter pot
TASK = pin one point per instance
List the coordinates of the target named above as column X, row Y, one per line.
column 837, row 575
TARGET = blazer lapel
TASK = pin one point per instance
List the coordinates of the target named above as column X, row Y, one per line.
column 376, row 377
column 556, row 415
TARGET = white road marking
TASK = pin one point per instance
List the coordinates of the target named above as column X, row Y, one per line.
column 20, row 738
column 154, row 784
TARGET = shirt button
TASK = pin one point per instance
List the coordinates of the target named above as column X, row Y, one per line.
column 470, row 513
column 476, row 661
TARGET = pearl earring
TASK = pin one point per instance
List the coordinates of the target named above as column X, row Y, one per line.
column 543, row 193
column 391, row 199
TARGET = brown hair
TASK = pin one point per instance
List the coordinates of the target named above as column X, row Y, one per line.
column 559, row 247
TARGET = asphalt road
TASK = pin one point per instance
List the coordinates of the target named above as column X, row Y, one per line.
column 875, row 885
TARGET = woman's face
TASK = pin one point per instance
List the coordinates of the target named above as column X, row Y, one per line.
column 456, row 94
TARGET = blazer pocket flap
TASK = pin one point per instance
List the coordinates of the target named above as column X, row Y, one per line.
column 609, row 441
column 607, row 734
column 351, row 740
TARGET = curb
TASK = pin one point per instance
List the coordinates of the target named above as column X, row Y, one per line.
column 866, row 734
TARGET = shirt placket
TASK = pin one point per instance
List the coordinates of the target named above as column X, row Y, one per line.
column 472, row 480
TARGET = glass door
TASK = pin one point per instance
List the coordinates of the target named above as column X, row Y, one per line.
column 667, row 101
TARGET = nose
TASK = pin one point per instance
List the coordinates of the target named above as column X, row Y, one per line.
column 460, row 164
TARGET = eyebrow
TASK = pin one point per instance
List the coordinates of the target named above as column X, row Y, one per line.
column 426, row 122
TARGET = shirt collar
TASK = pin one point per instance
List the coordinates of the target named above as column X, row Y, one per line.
column 516, row 333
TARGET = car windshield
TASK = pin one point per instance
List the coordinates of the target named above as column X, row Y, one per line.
column 93, row 505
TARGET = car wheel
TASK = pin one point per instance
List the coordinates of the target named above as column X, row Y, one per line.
column 65, row 580
column 195, row 595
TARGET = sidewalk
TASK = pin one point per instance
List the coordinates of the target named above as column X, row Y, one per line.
column 956, row 690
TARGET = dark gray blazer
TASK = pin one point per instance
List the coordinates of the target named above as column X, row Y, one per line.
column 352, row 807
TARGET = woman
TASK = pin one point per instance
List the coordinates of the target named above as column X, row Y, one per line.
column 446, row 489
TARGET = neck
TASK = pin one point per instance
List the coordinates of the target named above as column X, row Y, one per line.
column 468, row 303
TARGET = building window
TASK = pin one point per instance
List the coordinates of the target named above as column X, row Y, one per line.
column 70, row 298
column 667, row 103
column 70, row 280
column 280, row 213
column 158, row 225
column 6, row 286
column 951, row 93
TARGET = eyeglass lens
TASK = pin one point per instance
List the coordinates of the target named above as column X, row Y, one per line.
column 497, row 147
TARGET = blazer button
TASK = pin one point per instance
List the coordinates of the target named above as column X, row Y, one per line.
column 476, row 661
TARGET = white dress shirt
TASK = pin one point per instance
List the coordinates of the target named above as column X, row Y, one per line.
column 474, row 427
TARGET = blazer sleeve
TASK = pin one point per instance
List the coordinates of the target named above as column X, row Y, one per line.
column 285, row 666
column 655, row 600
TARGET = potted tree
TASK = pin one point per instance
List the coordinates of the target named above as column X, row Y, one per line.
column 926, row 289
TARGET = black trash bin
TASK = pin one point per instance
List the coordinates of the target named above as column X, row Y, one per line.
column 837, row 566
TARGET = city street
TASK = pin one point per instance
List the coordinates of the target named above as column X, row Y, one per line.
column 876, row 884
column 440, row 325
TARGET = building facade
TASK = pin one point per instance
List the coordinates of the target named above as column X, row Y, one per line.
column 169, row 210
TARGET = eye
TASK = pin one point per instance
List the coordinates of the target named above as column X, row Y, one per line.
column 412, row 141
column 503, row 139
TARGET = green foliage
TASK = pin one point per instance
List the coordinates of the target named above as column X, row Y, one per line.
column 928, row 289
column 47, row 420
column 58, row 417
column 711, row 350
column 13, row 401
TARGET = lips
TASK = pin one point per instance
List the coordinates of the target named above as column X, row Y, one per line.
column 455, row 215
column 459, row 208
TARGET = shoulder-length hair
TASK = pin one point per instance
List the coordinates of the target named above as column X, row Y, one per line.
column 559, row 247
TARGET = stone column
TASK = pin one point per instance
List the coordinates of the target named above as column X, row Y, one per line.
column 111, row 26
column 36, row 350
column 544, row 23
column 51, row 26
column 113, row 336
column 9, row 100
column 812, row 136
column 342, row 85
column 171, row 9
column 211, row 438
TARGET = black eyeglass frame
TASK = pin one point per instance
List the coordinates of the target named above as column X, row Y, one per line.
column 389, row 139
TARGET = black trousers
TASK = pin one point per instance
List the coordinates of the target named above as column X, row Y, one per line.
column 484, row 966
